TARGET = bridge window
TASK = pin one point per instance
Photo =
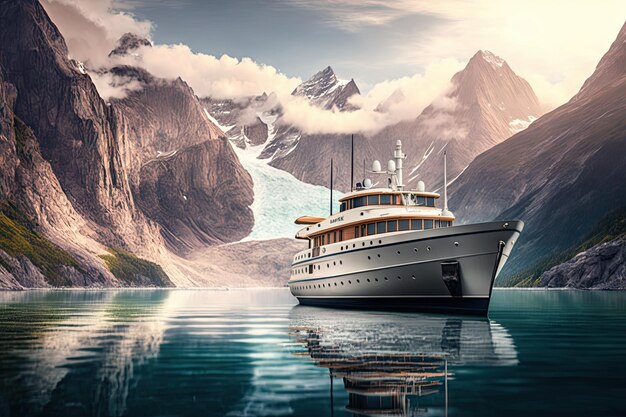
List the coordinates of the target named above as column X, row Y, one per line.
column 416, row 224
column 356, row 231
column 359, row 202
column 342, row 207
column 403, row 224
column 381, row 227
column 428, row 224
column 430, row 201
column 372, row 200
column 385, row 199
column 392, row 225
column 371, row 229
column 420, row 201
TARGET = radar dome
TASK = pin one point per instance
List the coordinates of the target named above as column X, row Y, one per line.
column 421, row 187
column 391, row 165
column 367, row 183
column 376, row 166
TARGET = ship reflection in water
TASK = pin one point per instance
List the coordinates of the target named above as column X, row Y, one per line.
column 396, row 365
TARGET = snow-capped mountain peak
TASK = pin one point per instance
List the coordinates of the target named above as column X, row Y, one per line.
column 325, row 90
column 491, row 58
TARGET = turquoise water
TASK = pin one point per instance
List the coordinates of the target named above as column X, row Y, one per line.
column 255, row 353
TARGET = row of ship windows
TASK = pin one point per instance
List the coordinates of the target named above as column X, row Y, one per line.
column 385, row 200
column 375, row 228
column 338, row 283
column 399, row 225
column 309, row 269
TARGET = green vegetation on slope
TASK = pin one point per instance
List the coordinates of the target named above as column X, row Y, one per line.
column 133, row 270
column 608, row 229
column 19, row 238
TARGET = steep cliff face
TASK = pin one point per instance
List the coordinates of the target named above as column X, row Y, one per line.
column 187, row 177
column 562, row 174
column 82, row 137
column 193, row 194
column 602, row 267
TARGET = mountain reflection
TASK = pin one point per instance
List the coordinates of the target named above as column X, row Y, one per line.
column 79, row 337
column 396, row 365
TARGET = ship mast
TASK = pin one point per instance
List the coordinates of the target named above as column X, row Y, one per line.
column 399, row 156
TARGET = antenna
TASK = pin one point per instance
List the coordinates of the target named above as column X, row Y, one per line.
column 445, row 183
column 331, row 187
column 352, row 164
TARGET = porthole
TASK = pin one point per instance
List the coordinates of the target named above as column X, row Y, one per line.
column 363, row 243
column 341, row 282
column 368, row 280
column 369, row 257
column 386, row 279
column 399, row 277
column 378, row 254
column 349, row 282
column 327, row 265
column 415, row 250
column 340, row 262
column 413, row 276
column 342, row 248
column 398, row 252
column 358, row 281
column 376, row 279
column 371, row 242
column 380, row 241
column 428, row 248
column 354, row 245
column 334, row 263
column 456, row 243
column 335, row 284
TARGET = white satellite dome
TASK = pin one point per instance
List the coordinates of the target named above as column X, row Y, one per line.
column 421, row 187
column 376, row 166
column 391, row 165
column 367, row 183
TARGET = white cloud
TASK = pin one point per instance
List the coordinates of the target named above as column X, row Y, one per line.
column 91, row 28
column 113, row 86
column 224, row 77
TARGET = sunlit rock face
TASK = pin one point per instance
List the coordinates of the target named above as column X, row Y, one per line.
column 561, row 175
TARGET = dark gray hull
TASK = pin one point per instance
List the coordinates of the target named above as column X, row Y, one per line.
column 460, row 305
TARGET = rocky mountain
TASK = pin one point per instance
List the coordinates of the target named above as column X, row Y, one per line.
column 487, row 103
column 82, row 191
column 257, row 121
column 187, row 177
column 561, row 175
column 602, row 267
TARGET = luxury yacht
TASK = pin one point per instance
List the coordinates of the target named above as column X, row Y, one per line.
column 393, row 248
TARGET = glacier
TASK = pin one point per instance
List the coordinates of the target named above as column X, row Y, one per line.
column 280, row 198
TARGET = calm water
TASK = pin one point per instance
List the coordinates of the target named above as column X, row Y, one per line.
column 255, row 353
